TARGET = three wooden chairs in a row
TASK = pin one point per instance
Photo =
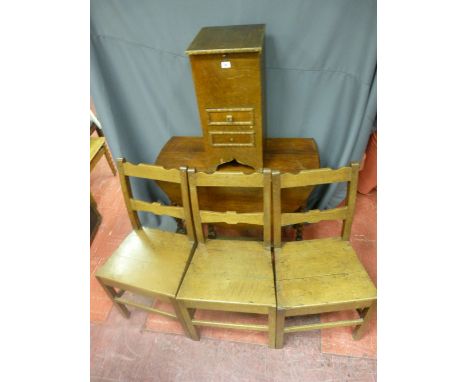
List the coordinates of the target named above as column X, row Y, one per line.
column 271, row 278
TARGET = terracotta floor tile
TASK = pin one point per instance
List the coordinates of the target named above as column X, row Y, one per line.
column 100, row 304
column 322, row 229
column 163, row 324
column 340, row 340
column 158, row 323
column 105, row 188
column 366, row 252
column 121, row 351
column 365, row 218
column 247, row 336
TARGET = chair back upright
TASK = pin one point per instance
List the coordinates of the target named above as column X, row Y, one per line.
column 260, row 180
column 347, row 174
column 153, row 172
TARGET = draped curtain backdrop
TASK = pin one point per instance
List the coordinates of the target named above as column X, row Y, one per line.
column 320, row 58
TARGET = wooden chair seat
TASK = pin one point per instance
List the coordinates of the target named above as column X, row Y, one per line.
column 321, row 273
column 230, row 271
column 149, row 261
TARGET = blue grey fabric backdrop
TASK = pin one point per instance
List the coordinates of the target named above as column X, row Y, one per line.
column 320, row 74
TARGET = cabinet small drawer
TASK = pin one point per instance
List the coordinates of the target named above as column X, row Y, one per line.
column 231, row 116
column 236, row 139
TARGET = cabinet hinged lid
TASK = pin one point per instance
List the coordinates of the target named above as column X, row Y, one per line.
column 228, row 39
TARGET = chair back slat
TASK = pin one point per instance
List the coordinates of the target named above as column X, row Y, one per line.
column 347, row 174
column 316, row 177
column 231, row 179
column 231, row 217
column 157, row 173
column 314, row 216
column 157, row 208
column 147, row 171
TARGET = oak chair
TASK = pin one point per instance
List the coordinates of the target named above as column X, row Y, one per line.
column 98, row 148
column 98, row 145
column 320, row 275
column 149, row 261
column 230, row 275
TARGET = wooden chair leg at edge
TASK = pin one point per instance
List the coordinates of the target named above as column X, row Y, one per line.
column 280, row 318
column 109, row 159
column 272, row 327
column 110, row 291
column 366, row 314
column 185, row 319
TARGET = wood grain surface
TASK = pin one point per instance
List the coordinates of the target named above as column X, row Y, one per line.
column 227, row 70
column 284, row 154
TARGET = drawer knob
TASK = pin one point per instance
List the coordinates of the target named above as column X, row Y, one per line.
column 231, row 139
column 229, row 118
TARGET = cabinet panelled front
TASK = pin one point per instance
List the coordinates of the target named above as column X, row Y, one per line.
column 227, row 72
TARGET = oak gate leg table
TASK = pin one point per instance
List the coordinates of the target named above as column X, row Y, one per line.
column 283, row 154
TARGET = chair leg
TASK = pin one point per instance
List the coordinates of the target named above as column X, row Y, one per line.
column 109, row 158
column 272, row 327
column 110, row 291
column 185, row 318
column 280, row 318
column 366, row 314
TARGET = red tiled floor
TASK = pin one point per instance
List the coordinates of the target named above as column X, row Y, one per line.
column 158, row 323
column 162, row 324
column 121, row 351
column 115, row 226
column 100, row 303
column 340, row 340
